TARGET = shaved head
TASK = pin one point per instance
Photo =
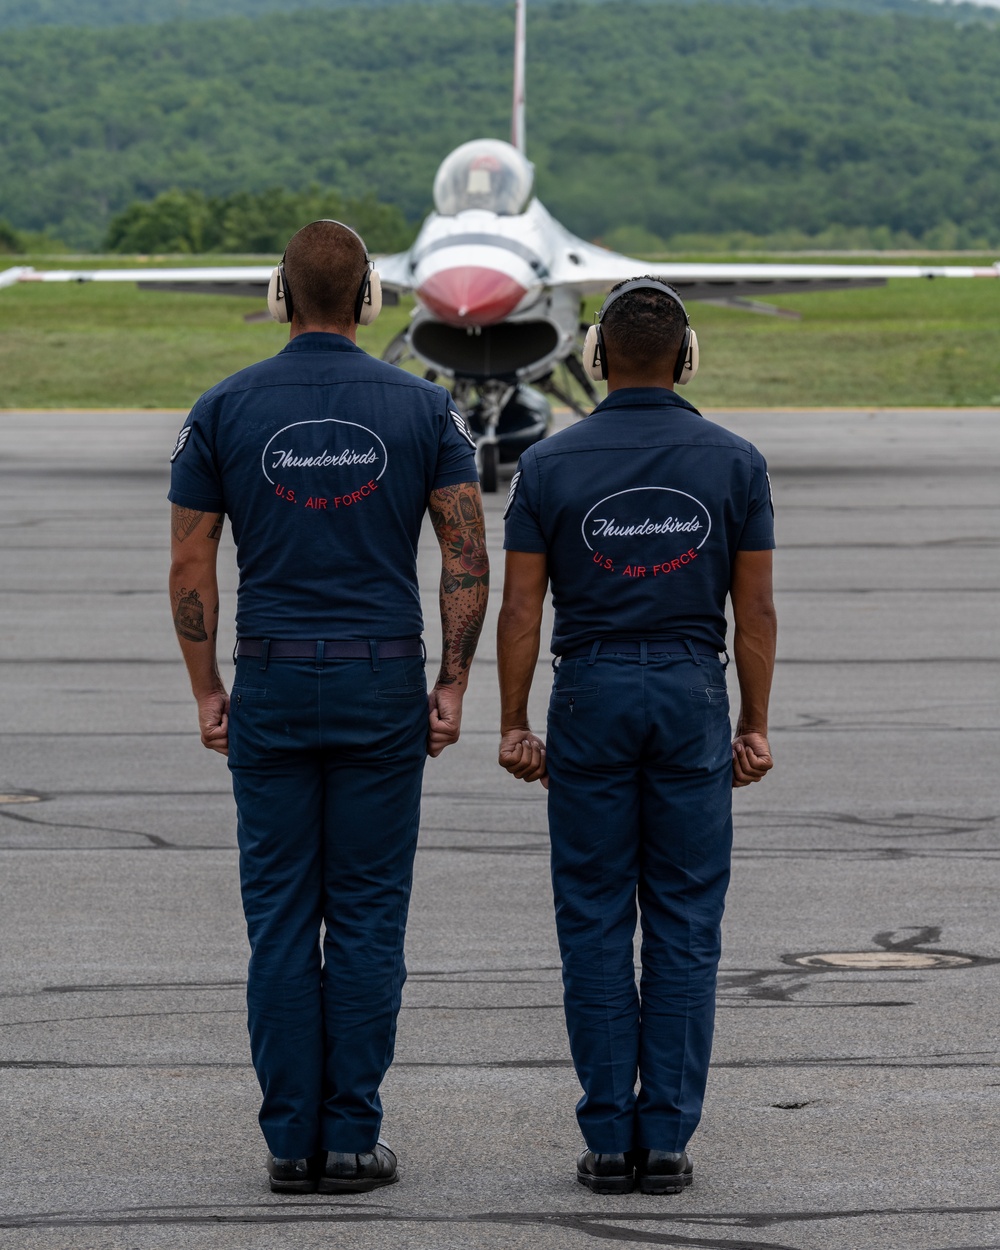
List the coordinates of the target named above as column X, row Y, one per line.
column 643, row 329
column 325, row 264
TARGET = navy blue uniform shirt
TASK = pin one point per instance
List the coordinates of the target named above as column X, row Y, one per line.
column 640, row 509
column 323, row 459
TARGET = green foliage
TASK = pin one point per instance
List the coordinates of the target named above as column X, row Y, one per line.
column 188, row 221
column 10, row 239
column 27, row 13
column 14, row 242
column 666, row 118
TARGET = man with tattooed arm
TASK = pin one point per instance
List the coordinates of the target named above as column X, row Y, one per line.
column 325, row 461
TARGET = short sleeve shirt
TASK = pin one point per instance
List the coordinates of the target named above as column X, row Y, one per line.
column 640, row 509
column 323, row 459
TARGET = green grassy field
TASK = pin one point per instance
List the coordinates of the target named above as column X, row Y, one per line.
column 912, row 343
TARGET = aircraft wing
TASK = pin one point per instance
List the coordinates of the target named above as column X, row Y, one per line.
column 205, row 280
column 10, row 276
column 594, row 270
column 394, row 271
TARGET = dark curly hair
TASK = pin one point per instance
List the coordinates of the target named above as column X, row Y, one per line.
column 643, row 328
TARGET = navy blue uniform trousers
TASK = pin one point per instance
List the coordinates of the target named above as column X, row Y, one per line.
column 326, row 761
column 640, row 810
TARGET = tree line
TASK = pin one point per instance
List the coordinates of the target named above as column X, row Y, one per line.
column 654, row 121
column 189, row 221
column 28, row 13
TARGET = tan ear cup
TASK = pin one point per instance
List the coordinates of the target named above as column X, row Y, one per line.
column 690, row 367
column 593, row 365
column 277, row 303
column 371, row 303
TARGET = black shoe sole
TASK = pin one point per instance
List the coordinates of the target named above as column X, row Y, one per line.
column 663, row 1184
column 607, row 1184
column 331, row 1185
column 292, row 1187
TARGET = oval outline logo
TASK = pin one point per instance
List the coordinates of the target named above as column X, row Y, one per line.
column 633, row 490
column 324, row 421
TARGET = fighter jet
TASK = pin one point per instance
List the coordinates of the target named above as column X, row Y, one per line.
column 499, row 286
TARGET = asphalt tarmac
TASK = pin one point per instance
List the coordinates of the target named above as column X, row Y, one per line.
column 854, row 1099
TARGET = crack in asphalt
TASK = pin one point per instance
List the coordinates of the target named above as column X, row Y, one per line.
column 603, row 1226
column 889, row 1063
column 153, row 839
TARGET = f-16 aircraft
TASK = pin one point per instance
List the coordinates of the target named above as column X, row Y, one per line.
column 499, row 285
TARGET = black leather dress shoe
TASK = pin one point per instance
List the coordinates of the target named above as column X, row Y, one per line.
column 356, row 1174
column 662, row 1171
column 605, row 1174
column 294, row 1176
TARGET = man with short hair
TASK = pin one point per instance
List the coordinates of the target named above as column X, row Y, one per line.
column 325, row 462
column 644, row 518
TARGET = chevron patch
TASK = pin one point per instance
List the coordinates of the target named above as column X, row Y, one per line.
column 511, row 493
column 461, row 426
column 181, row 443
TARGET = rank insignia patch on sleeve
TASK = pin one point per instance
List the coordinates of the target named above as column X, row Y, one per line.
column 511, row 493
column 181, row 443
column 461, row 426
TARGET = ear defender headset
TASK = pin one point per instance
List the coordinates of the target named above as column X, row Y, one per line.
column 595, row 355
column 366, row 307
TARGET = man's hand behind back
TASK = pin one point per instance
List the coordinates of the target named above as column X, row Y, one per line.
column 444, row 704
column 751, row 759
column 523, row 756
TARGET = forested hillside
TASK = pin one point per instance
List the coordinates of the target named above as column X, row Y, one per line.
column 24, row 13
column 656, row 117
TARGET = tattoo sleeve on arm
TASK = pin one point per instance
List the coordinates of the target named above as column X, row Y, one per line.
column 215, row 533
column 457, row 517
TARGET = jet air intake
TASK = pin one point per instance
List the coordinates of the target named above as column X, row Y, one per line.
column 507, row 350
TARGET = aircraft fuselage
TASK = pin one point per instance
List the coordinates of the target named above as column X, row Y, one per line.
column 485, row 307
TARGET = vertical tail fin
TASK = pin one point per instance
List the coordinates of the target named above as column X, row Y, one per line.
column 517, row 116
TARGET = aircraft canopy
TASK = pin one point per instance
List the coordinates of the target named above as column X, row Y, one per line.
column 487, row 174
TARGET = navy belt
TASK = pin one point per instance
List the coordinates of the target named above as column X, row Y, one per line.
column 347, row 649
column 614, row 646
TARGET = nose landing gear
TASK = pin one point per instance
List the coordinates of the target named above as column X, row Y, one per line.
column 485, row 421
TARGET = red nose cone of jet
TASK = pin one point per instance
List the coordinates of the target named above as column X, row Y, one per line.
column 470, row 296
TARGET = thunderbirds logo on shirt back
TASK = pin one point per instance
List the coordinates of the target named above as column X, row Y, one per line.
column 325, row 465
column 648, row 531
